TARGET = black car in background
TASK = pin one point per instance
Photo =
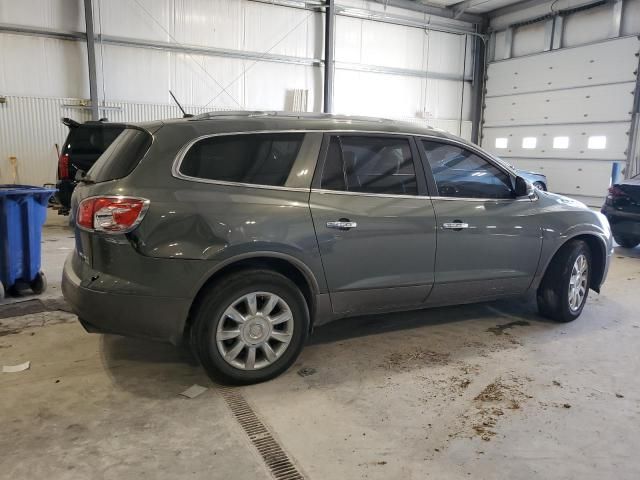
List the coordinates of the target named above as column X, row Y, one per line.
column 83, row 146
column 622, row 209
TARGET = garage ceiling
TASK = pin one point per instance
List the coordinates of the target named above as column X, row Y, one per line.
column 472, row 6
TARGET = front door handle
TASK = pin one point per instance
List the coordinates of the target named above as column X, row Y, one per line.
column 455, row 225
column 342, row 224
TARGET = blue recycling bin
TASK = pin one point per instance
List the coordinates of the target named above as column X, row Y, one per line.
column 23, row 211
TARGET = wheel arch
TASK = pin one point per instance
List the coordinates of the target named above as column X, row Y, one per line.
column 598, row 249
column 288, row 266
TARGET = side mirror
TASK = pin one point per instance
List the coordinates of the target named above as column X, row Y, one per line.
column 523, row 188
column 80, row 174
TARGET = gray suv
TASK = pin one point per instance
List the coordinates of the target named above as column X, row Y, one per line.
column 239, row 232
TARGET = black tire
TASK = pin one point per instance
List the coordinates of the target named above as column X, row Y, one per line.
column 220, row 296
column 553, row 293
column 626, row 242
column 39, row 284
column 540, row 186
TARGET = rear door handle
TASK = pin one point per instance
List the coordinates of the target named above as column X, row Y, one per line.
column 457, row 225
column 342, row 224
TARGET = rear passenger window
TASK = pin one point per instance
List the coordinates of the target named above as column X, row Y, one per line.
column 260, row 159
column 367, row 164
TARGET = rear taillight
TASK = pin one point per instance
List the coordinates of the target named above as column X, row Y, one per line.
column 616, row 192
column 63, row 166
column 111, row 214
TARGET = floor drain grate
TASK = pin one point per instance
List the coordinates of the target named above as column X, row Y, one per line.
column 271, row 452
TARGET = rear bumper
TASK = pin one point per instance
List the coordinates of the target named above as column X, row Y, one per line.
column 101, row 311
column 622, row 223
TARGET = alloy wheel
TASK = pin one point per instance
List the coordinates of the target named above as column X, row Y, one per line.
column 578, row 282
column 254, row 331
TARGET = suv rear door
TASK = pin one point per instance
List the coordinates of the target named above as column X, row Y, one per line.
column 374, row 223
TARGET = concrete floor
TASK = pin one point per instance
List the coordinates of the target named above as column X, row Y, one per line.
column 443, row 394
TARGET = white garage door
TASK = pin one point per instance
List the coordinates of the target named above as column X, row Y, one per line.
column 565, row 113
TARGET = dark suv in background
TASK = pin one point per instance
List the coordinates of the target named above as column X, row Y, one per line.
column 622, row 208
column 81, row 149
column 238, row 232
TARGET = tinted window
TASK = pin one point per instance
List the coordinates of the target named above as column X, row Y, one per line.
column 86, row 143
column 122, row 156
column 461, row 173
column 370, row 165
column 261, row 159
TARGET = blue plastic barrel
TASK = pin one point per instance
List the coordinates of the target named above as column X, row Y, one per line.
column 23, row 211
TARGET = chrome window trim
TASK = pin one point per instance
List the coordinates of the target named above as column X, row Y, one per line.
column 497, row 200
column 423, row 197
column 240, row 184
column 324, row 191
column 175, row 169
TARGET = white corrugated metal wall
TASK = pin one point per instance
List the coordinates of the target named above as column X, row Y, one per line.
column 563, row 106
column 381, row 69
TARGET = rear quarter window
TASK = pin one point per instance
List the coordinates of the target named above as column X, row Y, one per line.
column 259, row 159
column 122, row 156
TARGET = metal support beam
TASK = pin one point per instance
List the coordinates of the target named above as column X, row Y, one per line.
column 478, row 86
column 515, row 7
column 548, row 34
column 491, row 48
column 461, row 7
column 432, row 10
column 91, row 57
column 432, row 23
column 508, row 43
column 42, row 32
column 329, row 67
column 558, row 32
column 616, row 19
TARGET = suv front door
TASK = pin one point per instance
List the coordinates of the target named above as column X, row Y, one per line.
column 489, row 242
column 374, row 223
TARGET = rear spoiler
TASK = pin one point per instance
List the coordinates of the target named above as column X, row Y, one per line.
column 70, row 122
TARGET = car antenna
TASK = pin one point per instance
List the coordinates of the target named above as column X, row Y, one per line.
column 184, row 114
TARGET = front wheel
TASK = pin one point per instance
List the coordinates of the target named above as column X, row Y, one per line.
column 250, row 327
column 565, row 286
column 540, row 186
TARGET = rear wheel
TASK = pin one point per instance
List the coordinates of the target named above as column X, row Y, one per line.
column 626, row 242
column 250, row 327
column 540, row 186
column 565, row 286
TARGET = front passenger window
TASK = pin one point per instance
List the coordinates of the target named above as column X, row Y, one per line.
column 461, row 173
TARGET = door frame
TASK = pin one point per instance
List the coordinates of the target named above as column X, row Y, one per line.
column 424, row 188
column 431, row 181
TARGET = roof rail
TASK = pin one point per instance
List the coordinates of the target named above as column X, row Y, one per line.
column 284, row 114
